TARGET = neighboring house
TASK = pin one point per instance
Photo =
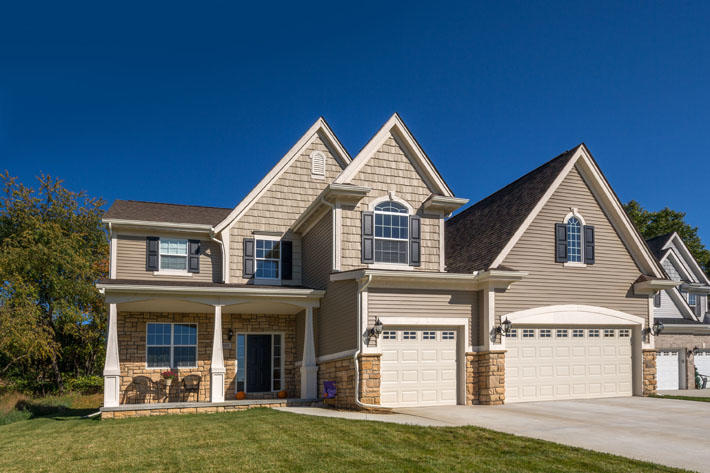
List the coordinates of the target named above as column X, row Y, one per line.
column 684, row 344
column 334, row 269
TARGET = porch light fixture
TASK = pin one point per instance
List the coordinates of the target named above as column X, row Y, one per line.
column 504, row 327
column 230, row 334
column 376, row 330
column 657, row 328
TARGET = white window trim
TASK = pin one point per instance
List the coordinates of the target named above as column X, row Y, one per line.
column 318, row 155
column 173, row 272
column 172, row 346
column 575, row 213
column 266, row 281
column 410, row 212
column 271, row 364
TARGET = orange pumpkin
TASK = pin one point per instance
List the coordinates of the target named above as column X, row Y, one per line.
column 241, row 395
column 282, row 394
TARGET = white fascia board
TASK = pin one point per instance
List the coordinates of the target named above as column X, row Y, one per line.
column 654, row 285
column 396, row 274
column 443, row 204
column 677, row 262
column 223, row 291
column 395, row 125
column 319, row 126
column 147, row 225
column 689, row 260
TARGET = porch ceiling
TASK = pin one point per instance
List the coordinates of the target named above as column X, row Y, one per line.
column 181, row 306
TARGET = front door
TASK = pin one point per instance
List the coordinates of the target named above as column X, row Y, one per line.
column 258, row 363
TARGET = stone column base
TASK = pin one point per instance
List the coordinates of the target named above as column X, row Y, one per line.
column 485, row 377
column 649, row 372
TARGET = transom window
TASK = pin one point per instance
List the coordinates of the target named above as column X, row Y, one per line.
column 389, row 335
column 528, row 333
column 171, row 345
column 267, row 259
column 545, row 333
column 593, row 332
column 448, row 335
column 428, row 335
column 561, row 333
column 173, row 254
column 574, row 240
column 406, row 335
column 391, row 233
column 577, row 333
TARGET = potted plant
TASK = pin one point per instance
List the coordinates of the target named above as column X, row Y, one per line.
column 169, row 376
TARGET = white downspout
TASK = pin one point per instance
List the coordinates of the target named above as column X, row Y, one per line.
column 224, row 255
column 359, row 347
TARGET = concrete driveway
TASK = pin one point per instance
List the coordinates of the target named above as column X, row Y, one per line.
column 665, row 431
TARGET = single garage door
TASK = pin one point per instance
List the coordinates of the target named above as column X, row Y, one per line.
column 418, row 367
column 702, row 364
column 667, row 366
column 547, row 363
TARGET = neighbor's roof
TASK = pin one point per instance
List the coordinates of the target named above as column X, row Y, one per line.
column 171, row 213
column 657, row 243
column 476, row 236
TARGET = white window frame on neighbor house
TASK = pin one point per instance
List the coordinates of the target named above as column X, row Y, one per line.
column 271, row 365
column 263, row 280
column 694, row 302
column 173, row 272
column 172, row 345
column 576, row 215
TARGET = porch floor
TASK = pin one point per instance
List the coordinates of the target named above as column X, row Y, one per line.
column 162, row 408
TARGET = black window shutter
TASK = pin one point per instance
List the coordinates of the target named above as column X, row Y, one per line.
column 152, row 247
column 560, row 243
column 588, row 244
column 193, row 256
column 286, row 260
column 248, row 257
column 415, row 241
column 657, row 299
column 368, row 237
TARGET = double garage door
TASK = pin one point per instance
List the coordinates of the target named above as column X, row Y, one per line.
column 418, row 366
column 549, row 363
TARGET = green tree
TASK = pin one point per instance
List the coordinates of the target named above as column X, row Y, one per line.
column 53, row 248
column 652, row 224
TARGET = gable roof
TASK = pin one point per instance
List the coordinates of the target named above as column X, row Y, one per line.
column 657, row 243
column 396, row 127
column 663, row 246
column 135, row 210
column 526, row 197
column 477, row 235
column 319, row 128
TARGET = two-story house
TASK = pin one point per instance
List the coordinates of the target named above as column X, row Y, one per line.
column 684, row 345
column 345, row 270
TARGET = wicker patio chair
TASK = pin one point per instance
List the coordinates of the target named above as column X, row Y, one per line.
column 190, row 384
column 141, row 390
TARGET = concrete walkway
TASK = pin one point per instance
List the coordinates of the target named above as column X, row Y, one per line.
column 665, row 431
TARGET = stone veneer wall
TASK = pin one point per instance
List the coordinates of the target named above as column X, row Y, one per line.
column 342, row 371
column 649, row 372
column 485, row 378
column 132, row 350
column 369, row 378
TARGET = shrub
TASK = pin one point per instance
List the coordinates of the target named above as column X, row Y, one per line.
column 86, row 384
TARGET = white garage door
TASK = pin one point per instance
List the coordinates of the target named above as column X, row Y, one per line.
column 702, row 363
column 667, row 366
column 567, row 363
column 418, row 367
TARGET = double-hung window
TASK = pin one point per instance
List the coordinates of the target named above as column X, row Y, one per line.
column 391, row 233
column 171, row 345
column 173, row 254
column 268, row 259
column 692, row 299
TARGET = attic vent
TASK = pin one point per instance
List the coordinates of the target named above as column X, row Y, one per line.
column 317, row 164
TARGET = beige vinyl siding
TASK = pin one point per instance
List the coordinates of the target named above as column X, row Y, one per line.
column 390, row 170
column 279, row 207
column 130, row 260
column 607, row 283
column 317, row 247
column 337, row 318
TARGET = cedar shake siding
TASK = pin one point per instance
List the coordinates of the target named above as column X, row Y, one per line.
column 317, row 247
column 607, row 283
column 337, row 319
column 390, row 170
column 131, row 260
column 280, row 206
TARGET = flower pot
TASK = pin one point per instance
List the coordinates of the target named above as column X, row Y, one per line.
column 168, row 382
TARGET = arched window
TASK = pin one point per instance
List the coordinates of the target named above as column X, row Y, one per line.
column 574, row 240
column 391, row 233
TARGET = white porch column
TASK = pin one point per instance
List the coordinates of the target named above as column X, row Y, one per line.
column 309, row 369
column 112, row 370
column 217, row 370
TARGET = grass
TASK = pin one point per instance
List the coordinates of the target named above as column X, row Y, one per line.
column 266, row 440
column 15, row 406
column 683, row 398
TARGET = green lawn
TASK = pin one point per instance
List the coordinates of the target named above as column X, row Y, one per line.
column 684, row 398
column 268, row 440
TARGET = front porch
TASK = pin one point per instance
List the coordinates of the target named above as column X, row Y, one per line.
column 231, row 348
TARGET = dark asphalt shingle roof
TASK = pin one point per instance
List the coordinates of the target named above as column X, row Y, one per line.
column 476, row 236
column 172, row 213
column 656, row 244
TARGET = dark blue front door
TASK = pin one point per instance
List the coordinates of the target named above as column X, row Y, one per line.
column 258, row 363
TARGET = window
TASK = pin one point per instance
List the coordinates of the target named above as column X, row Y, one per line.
column 276, row 362
column 528, row 333
column 561, row 333
column 241, row 363
column 624, row 332
column 173, row 254
column 171, row 345
column 574, row 240
column 428, row 335
column 317, row 164
column 545, row 333
column 268, row 258
column 409, row 335
column 692, row 299
column 608, row 332
column 513, row 333
column 391, row 233
column 657, row 299
column 448, row 335
column 577, row 333
column 593, row 332
column 389, row 335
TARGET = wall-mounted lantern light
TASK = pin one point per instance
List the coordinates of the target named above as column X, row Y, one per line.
column 376, row 330
column 230, row 334
column 504, row 327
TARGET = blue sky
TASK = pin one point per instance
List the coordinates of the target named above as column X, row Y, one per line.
column 194, row 102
